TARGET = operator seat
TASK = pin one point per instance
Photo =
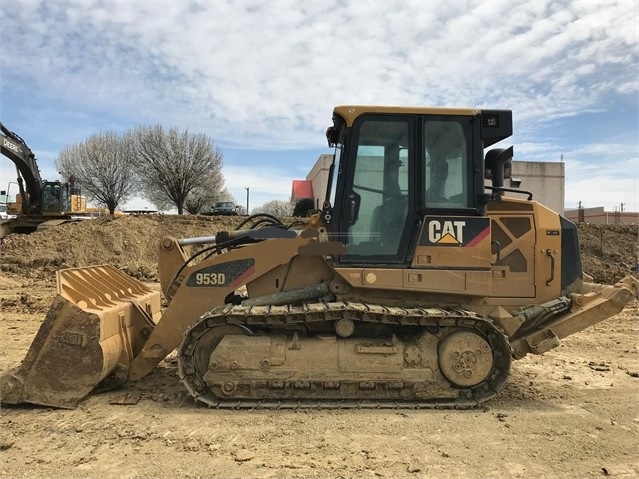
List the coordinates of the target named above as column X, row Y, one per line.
column 388, row 222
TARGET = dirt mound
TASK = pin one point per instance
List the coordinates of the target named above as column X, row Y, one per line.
column 609, row 252
column 130, row 243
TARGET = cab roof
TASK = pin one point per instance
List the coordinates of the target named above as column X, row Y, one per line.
column 350, row 112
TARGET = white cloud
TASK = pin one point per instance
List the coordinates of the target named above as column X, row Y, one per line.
column 607, row 182
column 249, row 69
column 267, row 74
column 604, row 190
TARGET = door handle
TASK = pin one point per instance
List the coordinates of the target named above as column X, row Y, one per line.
column 552, row 267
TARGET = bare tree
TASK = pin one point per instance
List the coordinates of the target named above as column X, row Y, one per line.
column 276, row 208
column 156, row 197
column 172, row 163
column 196, row 200
column 202, row 197
column 224, row 195
column 103, row 166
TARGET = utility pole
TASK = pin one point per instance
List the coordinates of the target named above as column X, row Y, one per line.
column 247, row 201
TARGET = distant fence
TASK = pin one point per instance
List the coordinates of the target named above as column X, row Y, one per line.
column 598, row 216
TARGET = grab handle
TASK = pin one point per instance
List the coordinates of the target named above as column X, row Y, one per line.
column 552, row 267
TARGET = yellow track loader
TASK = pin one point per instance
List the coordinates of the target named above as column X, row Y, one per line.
column 415, row 286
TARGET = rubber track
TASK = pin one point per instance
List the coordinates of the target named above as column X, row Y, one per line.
column 314, row 312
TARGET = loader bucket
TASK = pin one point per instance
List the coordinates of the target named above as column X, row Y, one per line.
column 97, row 324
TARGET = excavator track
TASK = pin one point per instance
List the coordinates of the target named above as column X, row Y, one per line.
column 205, row 335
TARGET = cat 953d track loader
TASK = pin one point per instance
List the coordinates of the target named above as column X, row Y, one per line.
column 415, row 286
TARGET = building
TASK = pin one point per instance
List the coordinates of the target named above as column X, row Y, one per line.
column 545, row 180
column 4, row 197
column 314, row 186
column 598, row 216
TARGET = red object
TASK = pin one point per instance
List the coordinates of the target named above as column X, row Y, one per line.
column 302, row 189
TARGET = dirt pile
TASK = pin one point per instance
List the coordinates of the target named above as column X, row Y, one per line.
column 609, row 252
column 130, row 243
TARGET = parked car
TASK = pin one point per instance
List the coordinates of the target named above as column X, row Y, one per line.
column 224, row 208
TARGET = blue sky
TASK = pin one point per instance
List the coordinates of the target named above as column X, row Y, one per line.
column 261, row 78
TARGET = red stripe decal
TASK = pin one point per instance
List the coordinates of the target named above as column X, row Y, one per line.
column 244, row 276
column 479, row 237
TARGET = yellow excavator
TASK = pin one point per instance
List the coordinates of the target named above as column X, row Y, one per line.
column 415, row 286
column 39, row 204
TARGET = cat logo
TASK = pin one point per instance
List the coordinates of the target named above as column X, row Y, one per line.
column 455, row 231
column 446, row 232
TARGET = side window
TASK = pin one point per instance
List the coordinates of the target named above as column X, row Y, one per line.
column 368, row 183
column 65, row 201
column 445, row 169
column 380, row 188
column 51, row 198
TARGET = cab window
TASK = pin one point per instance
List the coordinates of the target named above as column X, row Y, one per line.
column 380, row 188
column 445, row 165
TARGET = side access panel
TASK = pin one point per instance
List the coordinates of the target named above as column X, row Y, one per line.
column 452, row 255
column 513, row 247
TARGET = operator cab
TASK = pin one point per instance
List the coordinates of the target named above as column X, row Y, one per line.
column 54, row 198
column 57, row 196
column 397, row 165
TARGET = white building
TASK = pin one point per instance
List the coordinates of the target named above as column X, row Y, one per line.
column 545, row 180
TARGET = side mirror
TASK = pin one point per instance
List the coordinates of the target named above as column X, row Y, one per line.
column 498, row 166
column 332, row 135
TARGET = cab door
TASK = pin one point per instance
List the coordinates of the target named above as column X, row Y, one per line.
column 377, row 214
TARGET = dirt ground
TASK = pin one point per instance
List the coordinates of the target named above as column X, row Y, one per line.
column 571, row 413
